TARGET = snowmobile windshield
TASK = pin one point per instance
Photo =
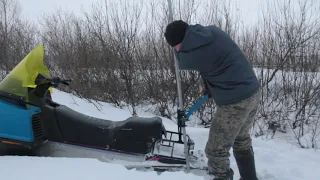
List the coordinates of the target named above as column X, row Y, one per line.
column 24, row 74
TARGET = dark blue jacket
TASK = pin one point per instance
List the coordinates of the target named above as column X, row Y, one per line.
column 227, row 74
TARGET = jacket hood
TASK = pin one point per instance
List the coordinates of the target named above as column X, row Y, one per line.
column 196, row 36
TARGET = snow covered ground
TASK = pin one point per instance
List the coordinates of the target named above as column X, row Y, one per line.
column 275, row 159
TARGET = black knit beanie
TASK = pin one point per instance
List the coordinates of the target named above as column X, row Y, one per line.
column 175, row 32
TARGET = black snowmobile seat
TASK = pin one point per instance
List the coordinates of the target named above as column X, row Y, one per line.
column 134, row 134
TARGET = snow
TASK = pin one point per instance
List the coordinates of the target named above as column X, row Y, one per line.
column 13, row 168
column 276, row 159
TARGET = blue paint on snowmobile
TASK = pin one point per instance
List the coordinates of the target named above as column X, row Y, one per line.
column 16, row 121
column 197, row 105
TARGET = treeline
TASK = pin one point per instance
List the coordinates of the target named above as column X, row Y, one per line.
column 117, row 53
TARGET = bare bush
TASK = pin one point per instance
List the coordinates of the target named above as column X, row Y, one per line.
column 17, row 37
column 285, row 54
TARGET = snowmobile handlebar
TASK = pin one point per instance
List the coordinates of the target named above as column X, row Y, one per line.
column 43, row 83
column 55, row 81
column 51, row 81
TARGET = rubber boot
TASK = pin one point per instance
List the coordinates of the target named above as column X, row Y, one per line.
column 246, row 164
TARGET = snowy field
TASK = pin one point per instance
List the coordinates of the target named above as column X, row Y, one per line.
column 275, row 159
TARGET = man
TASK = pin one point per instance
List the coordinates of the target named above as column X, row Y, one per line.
column 230, row 80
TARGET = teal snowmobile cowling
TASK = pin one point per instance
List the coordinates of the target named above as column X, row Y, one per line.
column 16, row 122
column 20, row 124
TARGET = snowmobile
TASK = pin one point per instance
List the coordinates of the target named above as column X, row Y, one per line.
column 33, row 124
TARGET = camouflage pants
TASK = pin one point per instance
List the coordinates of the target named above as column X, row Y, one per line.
column 230, row 128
